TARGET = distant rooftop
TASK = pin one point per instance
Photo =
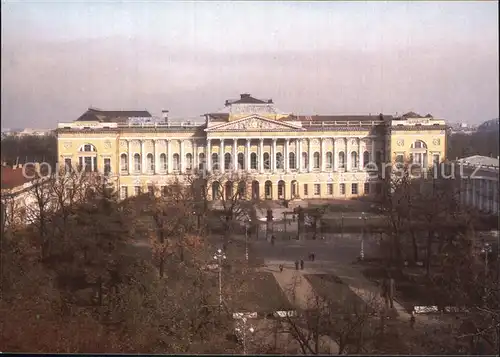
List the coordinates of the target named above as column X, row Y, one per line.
column 112, row 116
column 478, row 160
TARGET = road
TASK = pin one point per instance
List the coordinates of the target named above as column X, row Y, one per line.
column 334, row 248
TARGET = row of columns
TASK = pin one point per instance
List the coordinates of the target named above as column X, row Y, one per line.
column 247, row 155
column 298, row 155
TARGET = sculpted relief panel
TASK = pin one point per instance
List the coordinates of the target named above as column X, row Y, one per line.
column 253, row 124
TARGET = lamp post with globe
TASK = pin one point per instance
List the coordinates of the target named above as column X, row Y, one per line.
column 220, row 256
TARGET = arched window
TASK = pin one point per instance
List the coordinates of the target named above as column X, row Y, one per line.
column 137, row 162
column 268, row 190
column 215, row 191
column 175, row 164
column 229, row 190
column 227, row 161
column 279, row 161
column 341, row 160
column 253, row 161
column 291, row 161
column 354, row 159
column 163, row 162
column 189, row 161
column 305, row 161
column 241, row 161
column 124, row 162
column 201, row 161
column 215, row 161
column 241, row 188
column 87, row 148
column 316, row 160
column 419, row 144
column 151, row 163
column 267, row 161
column 366, row 158
column 89, row 163
column 329, row 160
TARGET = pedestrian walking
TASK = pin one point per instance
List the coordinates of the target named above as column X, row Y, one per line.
column 296, row 265
column 273, row 238
column 313, row 257
column 412, row 319
column 301, row 264
column 281, row 267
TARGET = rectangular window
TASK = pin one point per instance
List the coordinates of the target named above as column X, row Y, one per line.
column 107, row 166
column 329, row 188
column 123, row 192
column 306, row 190
column 367, row 188
column 67, row 165
column 342, row 188
column 317, row 189
column 137, row 190
column 354, row 188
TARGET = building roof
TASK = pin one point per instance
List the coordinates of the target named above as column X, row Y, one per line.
column 14, row 177
column 414, row 115
column 330, row 118
column 113, row 116
column 247, row 98
column 478, row 160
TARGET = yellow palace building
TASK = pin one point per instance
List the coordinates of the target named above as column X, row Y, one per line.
column 283, row 155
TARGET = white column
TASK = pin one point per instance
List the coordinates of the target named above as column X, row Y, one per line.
column 334, row 156
column 286, row 161
column 221, row 155
column 261, row 155
column 143, row 158
column 273, row 157
column 181, row 157
column 247, row 156
column 208, row 156
column 169, row 156
column 195, row 154
column 310, row 154
column 299, row 154
column 235, row 155
column 322, row 156
column 130, row 159
column 360, row 155
column 348, row 155
column 155, row 163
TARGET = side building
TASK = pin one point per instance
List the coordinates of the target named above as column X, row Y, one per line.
column 284, row 156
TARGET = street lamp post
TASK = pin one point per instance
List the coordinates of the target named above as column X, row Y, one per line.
column 486, row 250
column 219, row 256
column 243, row 330
column 246, row 238
column 362, row 250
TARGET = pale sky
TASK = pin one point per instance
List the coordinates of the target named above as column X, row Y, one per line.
column 59, row 58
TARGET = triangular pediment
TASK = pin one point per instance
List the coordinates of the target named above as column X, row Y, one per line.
column 254, row 123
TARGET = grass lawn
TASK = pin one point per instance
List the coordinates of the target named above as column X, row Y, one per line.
column 334, row 289
column 412, row 291
column 252, row 292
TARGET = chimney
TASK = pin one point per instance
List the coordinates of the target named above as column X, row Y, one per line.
column 164, row 115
